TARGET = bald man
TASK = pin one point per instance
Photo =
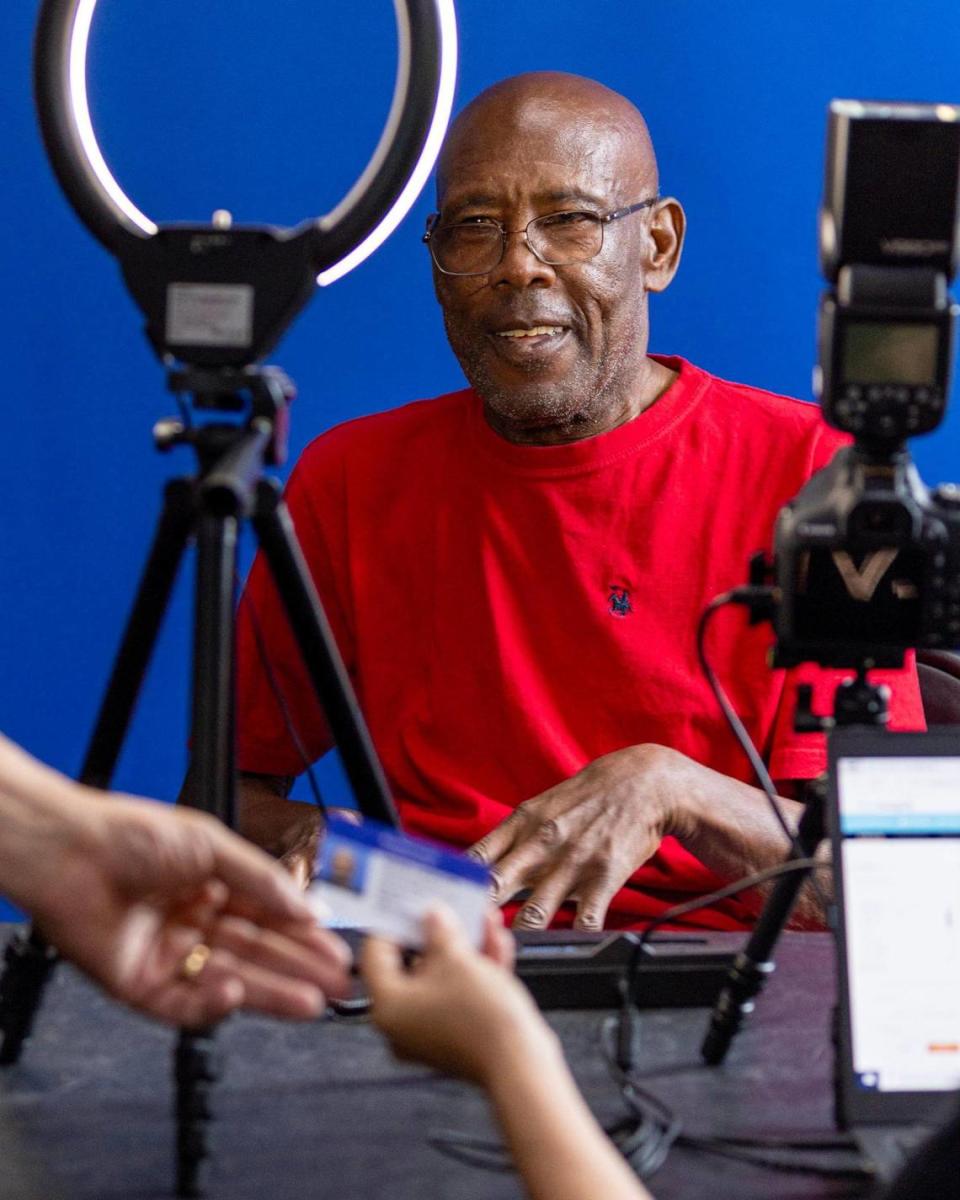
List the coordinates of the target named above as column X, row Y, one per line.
column 514, row 572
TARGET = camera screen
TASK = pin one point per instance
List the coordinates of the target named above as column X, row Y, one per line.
column 890, row 352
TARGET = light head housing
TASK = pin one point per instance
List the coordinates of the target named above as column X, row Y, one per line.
column 223, row 295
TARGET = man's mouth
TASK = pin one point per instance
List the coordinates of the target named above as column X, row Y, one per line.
column 535, row 331
column 529, row 347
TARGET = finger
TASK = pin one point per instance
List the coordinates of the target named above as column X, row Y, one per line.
column 443, row 932
column 265, row 991
column 324, row 967
column 351, row 815
column 498, row 943
column 191, row 1004
column 520, row 868
column 251, row 875
column 381, row 966
column 592, row 903
column 201, row 906
column 298, row 865
column 499, row 840
column 540, row 909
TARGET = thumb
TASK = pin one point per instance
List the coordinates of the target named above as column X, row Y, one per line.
column 381, row 965
column 442, row 932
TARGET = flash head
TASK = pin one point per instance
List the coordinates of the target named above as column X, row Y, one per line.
column 222, row 295
column 889, row 247
column 890, row 189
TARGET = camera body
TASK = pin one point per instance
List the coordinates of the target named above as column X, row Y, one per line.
column 866, row 558
column 867, row 564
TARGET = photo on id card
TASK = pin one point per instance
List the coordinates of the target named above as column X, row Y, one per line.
column 373, row 878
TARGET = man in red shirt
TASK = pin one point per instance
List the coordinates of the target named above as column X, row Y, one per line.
column 514, row 572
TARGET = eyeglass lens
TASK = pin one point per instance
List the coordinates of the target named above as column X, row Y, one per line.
column 557, row 239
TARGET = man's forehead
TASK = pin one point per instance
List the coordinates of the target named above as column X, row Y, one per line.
column 574, row 163
column 551, row 132
column 543, row 182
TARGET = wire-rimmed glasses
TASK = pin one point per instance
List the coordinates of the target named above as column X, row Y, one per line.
column 477, row 246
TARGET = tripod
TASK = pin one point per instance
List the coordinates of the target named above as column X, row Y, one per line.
column 857, row 702
column 210, row 507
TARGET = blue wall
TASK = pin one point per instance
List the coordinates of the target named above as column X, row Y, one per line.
column 270, row 110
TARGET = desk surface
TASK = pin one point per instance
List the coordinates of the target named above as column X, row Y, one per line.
column 321, row 1112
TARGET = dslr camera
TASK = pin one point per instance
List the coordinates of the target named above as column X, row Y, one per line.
column 866, row 557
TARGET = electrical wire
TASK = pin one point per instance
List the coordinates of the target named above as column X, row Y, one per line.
column 739, row 730
column 646, row 1133
column 278, row 695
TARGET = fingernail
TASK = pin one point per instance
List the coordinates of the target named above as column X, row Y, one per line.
column 532, row 918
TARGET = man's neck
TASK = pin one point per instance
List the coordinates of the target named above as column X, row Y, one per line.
column 656, row 379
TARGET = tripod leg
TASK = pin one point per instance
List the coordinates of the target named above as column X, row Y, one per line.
column 196, row 1067
column 29, row 960
column 28, row 964
column 213, row 658
column 140, row 635
column 321, row 656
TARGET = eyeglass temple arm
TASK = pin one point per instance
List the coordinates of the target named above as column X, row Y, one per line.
column 632, row 208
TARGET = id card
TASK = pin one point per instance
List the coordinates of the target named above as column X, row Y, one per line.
column 373, row 878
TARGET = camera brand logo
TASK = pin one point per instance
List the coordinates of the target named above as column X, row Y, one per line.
column 901, row 247
column 862, row 582
column 203, row 243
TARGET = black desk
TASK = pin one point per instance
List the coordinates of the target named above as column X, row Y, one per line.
column 322, row 1112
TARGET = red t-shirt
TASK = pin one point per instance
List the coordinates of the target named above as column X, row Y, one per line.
column 510, row 613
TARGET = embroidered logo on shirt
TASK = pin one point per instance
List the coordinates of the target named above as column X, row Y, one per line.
column 619, row 600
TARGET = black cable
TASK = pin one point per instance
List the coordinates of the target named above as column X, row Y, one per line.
column 741, row 1149
column 659, row 1129
column 728, row 890
column 645, row 1136
column 626, row 1036
column 745, row 596
column 280, row 698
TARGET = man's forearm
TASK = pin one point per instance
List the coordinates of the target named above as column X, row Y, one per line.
column 730, row 826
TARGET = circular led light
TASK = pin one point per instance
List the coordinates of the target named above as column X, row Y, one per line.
column 367, row 215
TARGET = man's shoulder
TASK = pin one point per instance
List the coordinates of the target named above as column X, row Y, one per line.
column 750, row 414
column 411, row 427
column 762, row 401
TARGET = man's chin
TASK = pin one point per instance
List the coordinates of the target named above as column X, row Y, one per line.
column 527, row 410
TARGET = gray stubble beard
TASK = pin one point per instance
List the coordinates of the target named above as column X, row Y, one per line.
column 550, row 403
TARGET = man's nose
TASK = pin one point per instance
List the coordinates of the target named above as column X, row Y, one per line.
column 520, row 267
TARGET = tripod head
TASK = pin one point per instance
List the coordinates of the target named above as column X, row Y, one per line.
column 856, row 701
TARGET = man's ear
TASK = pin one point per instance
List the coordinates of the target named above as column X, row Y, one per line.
column 668, row 224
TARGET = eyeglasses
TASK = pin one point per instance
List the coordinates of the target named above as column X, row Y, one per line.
column 476, row 247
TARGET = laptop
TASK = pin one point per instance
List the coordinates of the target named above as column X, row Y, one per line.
column 894, row 820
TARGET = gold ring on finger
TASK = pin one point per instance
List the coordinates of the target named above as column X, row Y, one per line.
column 194, row 963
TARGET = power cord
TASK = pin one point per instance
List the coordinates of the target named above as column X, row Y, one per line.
column 278, row 695
column 757, row 599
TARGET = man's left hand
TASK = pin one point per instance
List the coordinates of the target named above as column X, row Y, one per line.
column 584, row 838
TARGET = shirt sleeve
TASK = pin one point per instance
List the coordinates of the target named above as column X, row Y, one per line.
column 281, row 727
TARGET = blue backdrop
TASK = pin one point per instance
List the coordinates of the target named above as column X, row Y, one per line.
column 270, row 110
